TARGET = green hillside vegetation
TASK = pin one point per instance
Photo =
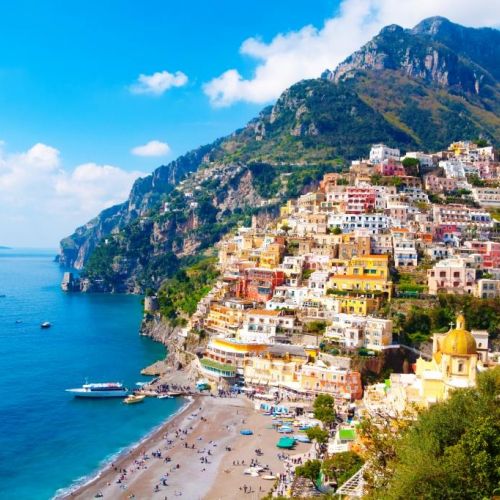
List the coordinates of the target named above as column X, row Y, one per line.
column 429, row 114
column 180, row 294
column 313, row 121
column 419, row 322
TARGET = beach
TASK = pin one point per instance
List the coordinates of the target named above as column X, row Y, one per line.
column 198, row 454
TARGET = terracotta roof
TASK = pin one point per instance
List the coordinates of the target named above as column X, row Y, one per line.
column 361, row 277
column 263, row 312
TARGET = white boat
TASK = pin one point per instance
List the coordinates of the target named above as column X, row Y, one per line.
column 101, row 390
column 165, row 396
column 45, row 324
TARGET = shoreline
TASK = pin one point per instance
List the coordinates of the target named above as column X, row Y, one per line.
column 198, row 454
column 124, row 455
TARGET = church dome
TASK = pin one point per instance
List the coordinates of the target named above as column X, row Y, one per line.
column 459, row 341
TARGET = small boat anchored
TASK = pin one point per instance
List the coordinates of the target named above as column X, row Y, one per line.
column 100, row 390
column 165, row 396
column 45, row 324
column 134, row 398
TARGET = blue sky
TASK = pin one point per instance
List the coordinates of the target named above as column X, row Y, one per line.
column 66, row 67
column 77, row 126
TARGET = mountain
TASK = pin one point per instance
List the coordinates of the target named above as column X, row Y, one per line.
column 420, row 88
column 436, row 81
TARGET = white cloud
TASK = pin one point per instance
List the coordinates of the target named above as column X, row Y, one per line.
column 306, row 53
column 40, row 201
column 158, row 83
column 152, row 148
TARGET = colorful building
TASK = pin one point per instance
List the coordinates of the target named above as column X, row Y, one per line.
column 258, row 283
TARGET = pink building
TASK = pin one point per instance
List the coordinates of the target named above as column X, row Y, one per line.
column 446, row 232
column 360, row 200
column 489, row 250
column 390, row 168
column 436, row 184
column 451, row 276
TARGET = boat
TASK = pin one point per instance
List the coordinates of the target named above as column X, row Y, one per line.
column 165, row 396
column 301, row 438
column 134, row 398
column 100, row 390
column 45, row 324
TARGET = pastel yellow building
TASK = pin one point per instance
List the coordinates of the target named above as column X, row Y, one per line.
column 453, row 366
column 367, row 274
column 271, row 256
column 223, row 320
column 369, row 265
column 226, row 358
column 357, row 305
column 269, row 370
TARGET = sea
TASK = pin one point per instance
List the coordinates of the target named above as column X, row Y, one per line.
column 49, row 440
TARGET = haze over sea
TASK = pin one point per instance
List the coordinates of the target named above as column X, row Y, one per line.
column 49, row 439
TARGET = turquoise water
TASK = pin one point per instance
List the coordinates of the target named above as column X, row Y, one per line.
column 48, row 439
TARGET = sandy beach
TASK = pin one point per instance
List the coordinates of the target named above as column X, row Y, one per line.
column 199, row 454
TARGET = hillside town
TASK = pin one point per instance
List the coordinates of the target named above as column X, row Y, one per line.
column 300, row 306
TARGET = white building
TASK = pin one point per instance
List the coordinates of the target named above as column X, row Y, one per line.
column 353, row 331
column 266, row 327
column 487, row 288
column 487, row 196
column 415, row 194
column 317, row 283
column 424, row 159
column 287, row 297
column 454, row 169
column 374, row 223
column 381, row 152
column 438, row 251
column 405, row 253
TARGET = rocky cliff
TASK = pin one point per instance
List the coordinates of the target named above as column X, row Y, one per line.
column 146, row 194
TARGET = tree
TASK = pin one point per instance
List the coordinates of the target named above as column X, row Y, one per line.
column 309, row 470
column 341, row 466
column 324, row 409
column 481, row 143
column 417, row 325
column 451, row 451
column 316, row 327
column 336, row 230
column 319, row 436
column 475, row 180
column 411, row 166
